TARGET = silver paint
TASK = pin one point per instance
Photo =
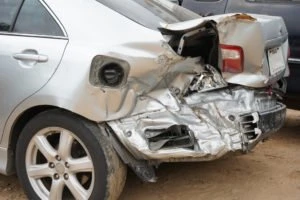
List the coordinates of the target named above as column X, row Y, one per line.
column 154, row 95
column 64, row 170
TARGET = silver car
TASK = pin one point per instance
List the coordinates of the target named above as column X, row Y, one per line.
column 91, row 87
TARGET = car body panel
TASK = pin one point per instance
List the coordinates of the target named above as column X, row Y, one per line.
column 285, row 9
column 264, row 33
column 25, row 77
column 289, row 11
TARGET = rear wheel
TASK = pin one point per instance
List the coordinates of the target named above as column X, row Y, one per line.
column 61, row 156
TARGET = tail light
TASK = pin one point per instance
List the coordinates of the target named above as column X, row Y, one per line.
column 233, row 58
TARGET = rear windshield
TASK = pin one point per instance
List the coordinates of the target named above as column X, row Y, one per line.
column 150, row 13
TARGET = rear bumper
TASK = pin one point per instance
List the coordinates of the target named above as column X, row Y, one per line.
column 273, row 120
column 207, row 126
column 267, row 123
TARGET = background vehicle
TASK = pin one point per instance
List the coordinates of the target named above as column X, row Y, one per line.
column 288, row 9
column 130, row 82
column 175, row 1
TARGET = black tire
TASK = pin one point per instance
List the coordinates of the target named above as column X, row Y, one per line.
column 109, row 171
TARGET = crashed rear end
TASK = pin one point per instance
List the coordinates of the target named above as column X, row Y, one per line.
column 220, row 81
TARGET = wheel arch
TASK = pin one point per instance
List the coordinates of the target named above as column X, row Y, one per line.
column 19, row 123
column 35, row 118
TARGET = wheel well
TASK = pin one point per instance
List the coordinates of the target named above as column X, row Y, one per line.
column 17, row 128
column 22, row 120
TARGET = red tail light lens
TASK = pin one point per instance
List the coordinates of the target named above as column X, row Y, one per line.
column 233, row 58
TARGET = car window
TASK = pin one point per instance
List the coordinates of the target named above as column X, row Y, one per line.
column 150, row 13
column 8, row 10
column 35, row 19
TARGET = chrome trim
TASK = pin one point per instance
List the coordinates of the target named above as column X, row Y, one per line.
column 294, row 60
column 33, row 35
column 275, row 42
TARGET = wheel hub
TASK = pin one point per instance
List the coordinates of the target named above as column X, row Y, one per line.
column 60, row 168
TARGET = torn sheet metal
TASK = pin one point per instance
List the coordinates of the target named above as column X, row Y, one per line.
column 188, row 125
column 215, row 120
column 155, row 63
column 188, row 109
column 256, row 34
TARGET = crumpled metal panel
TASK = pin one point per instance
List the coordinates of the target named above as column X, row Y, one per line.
column 221, row 118
column 213, row 117
column 255, row 34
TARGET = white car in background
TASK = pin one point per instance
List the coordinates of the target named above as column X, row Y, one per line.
column 90, row 87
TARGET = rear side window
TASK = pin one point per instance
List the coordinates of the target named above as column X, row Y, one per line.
column 150, row 13
column 35, row 19
column 8, row 11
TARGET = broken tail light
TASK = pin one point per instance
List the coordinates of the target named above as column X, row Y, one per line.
column 233, row 58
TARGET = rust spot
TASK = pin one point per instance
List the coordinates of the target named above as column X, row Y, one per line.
column 244, row 16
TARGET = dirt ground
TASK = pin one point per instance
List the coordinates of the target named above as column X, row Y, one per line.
column 270, row 172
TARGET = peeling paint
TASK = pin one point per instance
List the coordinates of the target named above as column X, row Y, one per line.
column 244, row 16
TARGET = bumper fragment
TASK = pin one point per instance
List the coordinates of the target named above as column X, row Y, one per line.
column 273, row 120
column 261, row 125
column 202, row 127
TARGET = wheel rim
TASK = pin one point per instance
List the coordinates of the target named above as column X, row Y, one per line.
column 59, row 165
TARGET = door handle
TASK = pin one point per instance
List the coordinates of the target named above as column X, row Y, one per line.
column 30, row 57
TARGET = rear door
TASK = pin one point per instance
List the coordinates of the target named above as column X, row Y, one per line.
column 32, row 44
column 206, row 7
column 289, row 10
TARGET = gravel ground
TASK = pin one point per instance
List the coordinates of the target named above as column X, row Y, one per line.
column 271, row 171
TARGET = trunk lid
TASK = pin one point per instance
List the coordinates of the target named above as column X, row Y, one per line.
column 264, row 40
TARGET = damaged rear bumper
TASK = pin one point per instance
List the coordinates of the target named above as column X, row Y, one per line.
column 202, row 127
column 267, row 123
